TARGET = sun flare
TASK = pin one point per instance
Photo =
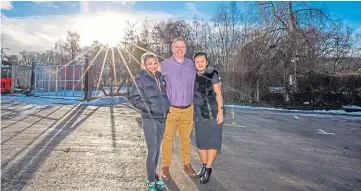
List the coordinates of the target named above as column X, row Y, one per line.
column 107, row 28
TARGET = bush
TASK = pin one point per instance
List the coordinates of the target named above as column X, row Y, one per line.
column 329, row 90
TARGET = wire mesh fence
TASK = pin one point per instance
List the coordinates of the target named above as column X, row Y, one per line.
column 59, row 81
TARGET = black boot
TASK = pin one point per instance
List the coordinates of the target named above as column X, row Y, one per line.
column 206, row 176
column 201, row 172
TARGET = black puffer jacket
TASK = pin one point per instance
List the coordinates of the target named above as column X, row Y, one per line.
column 205, row 101
column 150, row 99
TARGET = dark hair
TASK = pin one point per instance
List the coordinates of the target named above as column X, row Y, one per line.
column 200, row 54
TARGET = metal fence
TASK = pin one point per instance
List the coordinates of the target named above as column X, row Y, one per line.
column 59, row 81
column 23, row 76
column 6, row 71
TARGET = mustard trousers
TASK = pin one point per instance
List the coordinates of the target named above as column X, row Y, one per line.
column 181, row 119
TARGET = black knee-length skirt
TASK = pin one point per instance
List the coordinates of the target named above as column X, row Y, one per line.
column 208, row 134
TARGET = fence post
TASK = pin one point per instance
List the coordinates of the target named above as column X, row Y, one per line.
column 56, row 81
column 42, row 80
column 30, row 78
column 73, row 78
column 35, row 81
column 80, row 81
column 66, row 82
column 13, row 77
column 49, row 77
column 88, row 88
column 86, row 78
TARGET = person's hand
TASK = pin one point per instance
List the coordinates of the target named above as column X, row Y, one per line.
column 158, row 68
column 220, row 117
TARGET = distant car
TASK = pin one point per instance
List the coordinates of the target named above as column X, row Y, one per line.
column 276, row 90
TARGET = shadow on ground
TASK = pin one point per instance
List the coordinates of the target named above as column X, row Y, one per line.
column 16, row 176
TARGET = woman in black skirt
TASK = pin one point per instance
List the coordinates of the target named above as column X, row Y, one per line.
column 208, row 114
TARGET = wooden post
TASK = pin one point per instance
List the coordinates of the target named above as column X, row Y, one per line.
column 111, row 83
column 86, row 78
column 88, row 81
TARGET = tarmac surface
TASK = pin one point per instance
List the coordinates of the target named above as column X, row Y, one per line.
column 80, row 147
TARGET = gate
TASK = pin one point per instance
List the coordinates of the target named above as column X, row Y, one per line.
column 59, row 81
column 23, row 77
column 20, row 75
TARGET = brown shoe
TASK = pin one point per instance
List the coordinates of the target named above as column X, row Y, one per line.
column 165, row 173
column 189, row 170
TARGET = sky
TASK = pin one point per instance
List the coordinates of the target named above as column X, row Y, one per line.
column 36, row 26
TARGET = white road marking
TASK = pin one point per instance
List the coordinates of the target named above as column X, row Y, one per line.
column 233, row 125
column 296, row 117
column 324, row 132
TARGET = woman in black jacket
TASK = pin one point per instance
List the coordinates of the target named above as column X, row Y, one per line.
column 150, row 97
column 208, row 114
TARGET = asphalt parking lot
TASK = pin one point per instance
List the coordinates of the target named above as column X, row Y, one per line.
column 79, row 147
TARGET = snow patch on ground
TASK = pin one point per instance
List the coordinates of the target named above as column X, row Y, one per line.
column 38, row 100
column 77, row 94
column 51, row 101
column 295, row 110
column 351, row 107
column 107, row 101
column 299, row 115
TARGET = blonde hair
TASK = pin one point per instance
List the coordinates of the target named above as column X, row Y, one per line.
column 146, row 56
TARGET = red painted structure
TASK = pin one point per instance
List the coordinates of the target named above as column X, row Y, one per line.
column 5, row 85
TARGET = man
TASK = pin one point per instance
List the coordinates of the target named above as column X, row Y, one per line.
column 180, row 75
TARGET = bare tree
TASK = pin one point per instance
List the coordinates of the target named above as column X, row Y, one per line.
column 73, row 44
column 61, row 52
column 164, row 33
column 5, row 58
column 27, row 58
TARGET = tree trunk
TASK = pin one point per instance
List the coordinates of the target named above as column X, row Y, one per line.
column 257, row 91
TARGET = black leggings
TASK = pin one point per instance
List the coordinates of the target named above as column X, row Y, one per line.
column 153, row 132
